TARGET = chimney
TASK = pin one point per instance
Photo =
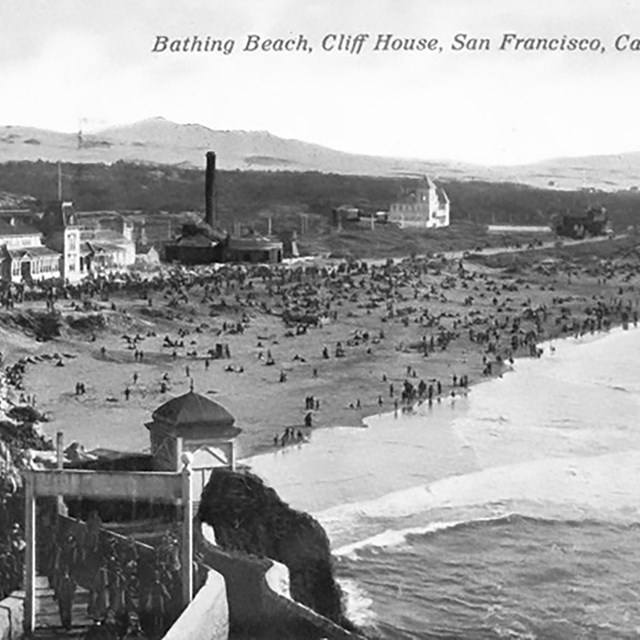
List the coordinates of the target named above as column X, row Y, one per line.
column 209, row 182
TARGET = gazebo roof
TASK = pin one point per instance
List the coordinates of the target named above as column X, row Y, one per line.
column 195, row 415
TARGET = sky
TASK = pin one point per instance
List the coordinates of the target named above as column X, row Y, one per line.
column 71, row 62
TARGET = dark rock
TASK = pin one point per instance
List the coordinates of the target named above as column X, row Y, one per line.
column 250, row 517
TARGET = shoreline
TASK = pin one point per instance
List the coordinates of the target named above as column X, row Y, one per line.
column 412, row 302
column 359, row 504
column 441, row 415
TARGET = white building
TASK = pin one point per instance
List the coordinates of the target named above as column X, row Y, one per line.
column 427, row 206
column 62, row 246
column 23, row 256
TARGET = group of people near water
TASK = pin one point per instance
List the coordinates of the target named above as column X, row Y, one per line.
column 419, row 312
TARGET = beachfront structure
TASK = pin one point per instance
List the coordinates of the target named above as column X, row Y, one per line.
column 23, row 256
column 194, row 424
column 57, row 245
column 252, row 247
column 427, row 206
column 103, row 251
column 193, row 247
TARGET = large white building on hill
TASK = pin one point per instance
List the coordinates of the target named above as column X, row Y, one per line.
column 427, row 206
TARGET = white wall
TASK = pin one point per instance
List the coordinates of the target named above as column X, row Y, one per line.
column 207, row 617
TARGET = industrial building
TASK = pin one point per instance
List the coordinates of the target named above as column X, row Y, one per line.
column 204, row 244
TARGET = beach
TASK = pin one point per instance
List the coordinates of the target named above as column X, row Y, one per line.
column 378, row 329
column 520, row 544
column 470, row 406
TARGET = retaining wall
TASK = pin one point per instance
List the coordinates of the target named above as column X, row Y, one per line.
column 207, row 616
column 255, row 608
column 12, row 616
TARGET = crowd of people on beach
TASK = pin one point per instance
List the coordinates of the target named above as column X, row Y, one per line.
column 419, row 307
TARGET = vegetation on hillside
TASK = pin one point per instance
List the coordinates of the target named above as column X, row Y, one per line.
column 251, row 196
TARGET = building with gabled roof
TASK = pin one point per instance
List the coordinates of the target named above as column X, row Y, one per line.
column 427, row 206
column 23, row 256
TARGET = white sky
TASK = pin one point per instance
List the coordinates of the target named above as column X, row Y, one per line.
column 66, row 59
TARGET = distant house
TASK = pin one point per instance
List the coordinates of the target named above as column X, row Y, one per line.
column 578, row 224
column 427, row 206
column 345, row 213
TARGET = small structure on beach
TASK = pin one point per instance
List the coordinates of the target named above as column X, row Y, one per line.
column 252, row 247
column 192, row 423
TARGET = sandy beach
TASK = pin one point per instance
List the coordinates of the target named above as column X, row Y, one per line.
column 379, row 328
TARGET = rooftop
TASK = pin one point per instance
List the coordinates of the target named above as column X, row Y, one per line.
column 193, row 413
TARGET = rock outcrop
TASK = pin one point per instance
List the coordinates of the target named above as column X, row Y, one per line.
column 250, row 517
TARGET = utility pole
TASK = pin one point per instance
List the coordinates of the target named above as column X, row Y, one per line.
column 59, row 181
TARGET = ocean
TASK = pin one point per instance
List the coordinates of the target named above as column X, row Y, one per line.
column 511, row 513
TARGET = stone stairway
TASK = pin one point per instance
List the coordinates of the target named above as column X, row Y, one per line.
column 48, row 624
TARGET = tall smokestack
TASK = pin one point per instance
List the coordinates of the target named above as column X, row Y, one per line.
column 209, row 182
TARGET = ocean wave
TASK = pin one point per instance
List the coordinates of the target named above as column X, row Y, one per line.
column 597, row 487
column 391, row 538
column 358, row 604
column 394, row 538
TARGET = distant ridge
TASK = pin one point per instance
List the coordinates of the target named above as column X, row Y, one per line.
column 160, row 141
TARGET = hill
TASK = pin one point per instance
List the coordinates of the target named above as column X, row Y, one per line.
column 160, row 141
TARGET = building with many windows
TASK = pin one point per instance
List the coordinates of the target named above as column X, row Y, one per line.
column 23, row 256
column 427, row 206
column 57, row 245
